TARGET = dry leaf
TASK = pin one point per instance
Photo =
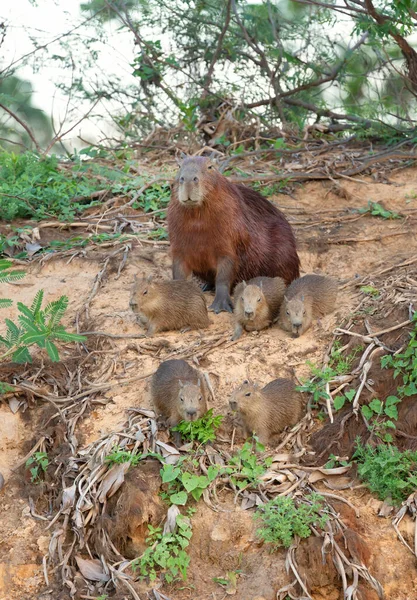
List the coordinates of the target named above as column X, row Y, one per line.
column 171, row 522
column 112, row 481
column 68, row 497
column 92, row 569
column 14, row 404
column 282, row 458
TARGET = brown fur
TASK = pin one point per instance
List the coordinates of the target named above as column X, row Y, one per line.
column 263, row 297
column 307, row 298
column 169, row 305
column 210, row 218
column 178, row 392
column 267, row 411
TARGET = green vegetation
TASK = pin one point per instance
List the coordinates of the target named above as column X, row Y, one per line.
column 8, row 276
column 370, row 290
column 37, row 187
column 377, row 210
column 284, row 517
column 389, row 473
column 405, row 364
column 39, row 327
column 182, row 481
column 335, row 461
column 202, row 430
column 379, row 416
column 245, row 467
column 166, row 552
column 38, row 465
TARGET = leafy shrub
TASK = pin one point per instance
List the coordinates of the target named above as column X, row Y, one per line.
column 38, row 464
column 405, row 364
column 388, row 472
column 245, row 467
column 202, row 430
column 281, row 519
column 182, row 481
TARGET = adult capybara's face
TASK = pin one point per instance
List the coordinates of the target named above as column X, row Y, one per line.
column 192, row 179
column 191, row 401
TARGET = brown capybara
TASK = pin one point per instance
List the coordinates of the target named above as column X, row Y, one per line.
column 307, row 298
column 257, row 303
column 267, row 411
column 169, row 305
column 225, row 233
column 178, row 392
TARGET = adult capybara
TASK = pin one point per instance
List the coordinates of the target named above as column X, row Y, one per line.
column 257, row 303
column 307, row 298
column 225, row 233
column 178, row 392
column 168, row 305
column 267, row 411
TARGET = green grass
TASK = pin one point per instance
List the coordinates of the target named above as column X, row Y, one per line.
column 202, row 430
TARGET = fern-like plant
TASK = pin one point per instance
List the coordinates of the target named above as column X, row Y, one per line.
column 37, row 326
column 7, row 276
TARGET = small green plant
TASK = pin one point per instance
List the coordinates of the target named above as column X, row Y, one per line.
column 166, row 553
column 340, row 400
column 376, row 413
column 202, row 430
column 119, row 456
column 316, row 386
column 336, row 461
column 405, row 364
column 338, row 362
column 370, row 290
column 37, row 464
column 182, row 481
column 389, row 473
column 377, row 210
column 246, row 467
column 39, row 327
column 8, row 276
column 282, row 518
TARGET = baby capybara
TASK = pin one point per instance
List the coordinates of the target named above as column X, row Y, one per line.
column 225, row 233
column 169, row 305
column 178, row 392
column 257, row 303
column 307, row 298
column 267, row 411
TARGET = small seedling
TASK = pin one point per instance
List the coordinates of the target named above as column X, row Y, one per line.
column 202, row 430
column 370, row 290
column 284, row 517
column 340, row 400
column 40, row 463
column 246, row 467
column 377, row 210
column 375, row 414
column 337, row 461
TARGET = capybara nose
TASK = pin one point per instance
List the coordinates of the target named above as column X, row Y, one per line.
column 195, row 179
column 248, row 314
column 182, row 179
column 191, row 413
column 233, row 405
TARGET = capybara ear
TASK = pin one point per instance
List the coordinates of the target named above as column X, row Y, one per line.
column 302, row 298
column 261, row 285
column 199, row 383
column 180, row 383
column 244, row 284
column 149, row 278
column 285, row 298
column 179, row 158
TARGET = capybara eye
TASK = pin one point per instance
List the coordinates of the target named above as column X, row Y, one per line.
column 200, row 399
column 195, row 179
column 145, row 292
column 246, row 381
column 304, row 312
column 288, row 312
column 182, row 399
column 259, row 299
column 248, row 394
column 209, row 166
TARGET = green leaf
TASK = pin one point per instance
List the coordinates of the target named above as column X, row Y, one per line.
column 34, row 338
column 189, row 481
column 5, row 302
column 22, row 356
column 69, row 337
column 196, row 494
column 180, row 498
column 376, row 406
column 350, row 394
column 52, row 350
column 169, row 473
column 339, row 402
column 390, row 424
column 367, row 412
column 37, row 303
column 392, row 400
column 391, row 411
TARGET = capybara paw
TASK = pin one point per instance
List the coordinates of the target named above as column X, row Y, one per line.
column 223, row 303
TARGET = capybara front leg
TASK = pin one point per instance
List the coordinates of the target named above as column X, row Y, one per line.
column 179, row 270
column 222, row 299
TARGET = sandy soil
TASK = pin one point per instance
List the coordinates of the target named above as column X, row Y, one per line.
column 328, row 238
